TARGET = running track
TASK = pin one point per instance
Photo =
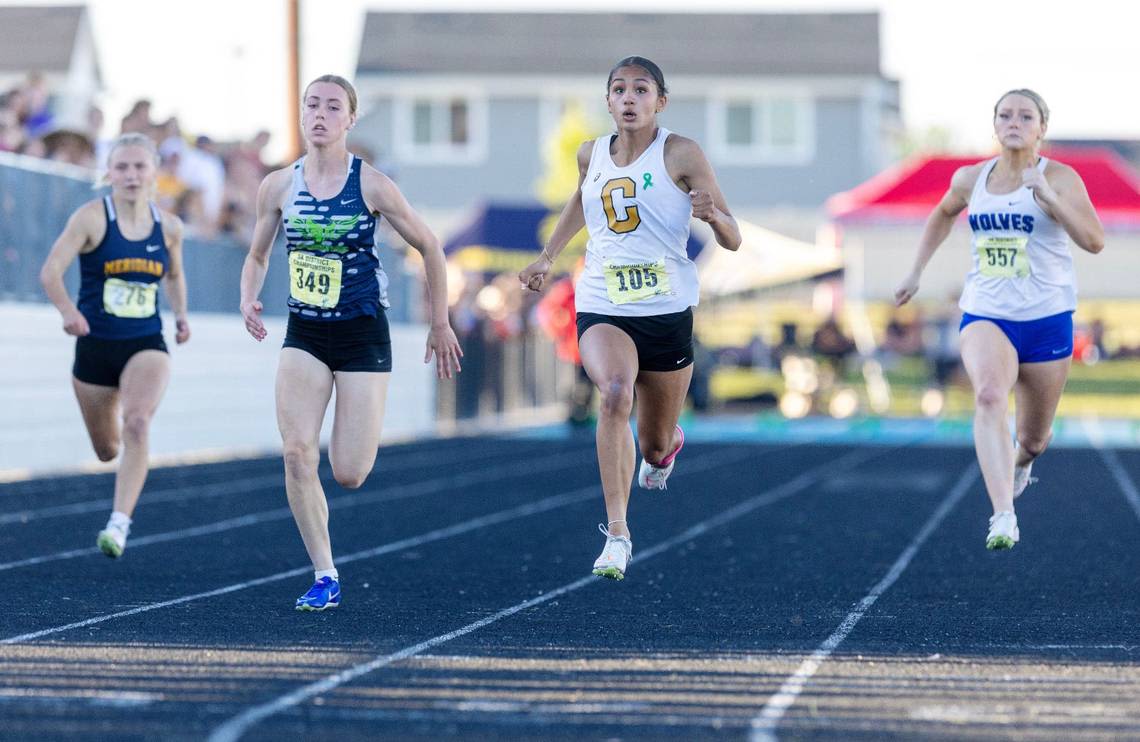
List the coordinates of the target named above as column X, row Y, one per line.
column 802, row 591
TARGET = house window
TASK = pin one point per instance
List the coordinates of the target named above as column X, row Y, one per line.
column 440, row 129
column 761, row 130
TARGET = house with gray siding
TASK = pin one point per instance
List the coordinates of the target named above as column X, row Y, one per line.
column 789, row 108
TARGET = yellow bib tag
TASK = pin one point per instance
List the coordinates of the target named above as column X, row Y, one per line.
column 637, row 282
column 1003, row 257
column 314, row 280
column 130, row 299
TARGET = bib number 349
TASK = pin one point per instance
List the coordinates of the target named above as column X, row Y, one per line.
column 314, row 280
column 636, row 282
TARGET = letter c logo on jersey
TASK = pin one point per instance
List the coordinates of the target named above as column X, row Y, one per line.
column 629, row 219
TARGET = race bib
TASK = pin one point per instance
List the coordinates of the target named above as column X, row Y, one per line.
column 1003, row 257
column 314, row 280
column 637, row 282
column 129, row 299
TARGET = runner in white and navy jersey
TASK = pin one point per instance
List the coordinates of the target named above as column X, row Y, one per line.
column 126, row 246
column 1019, row 297
column 328, row 203
column 638, row 189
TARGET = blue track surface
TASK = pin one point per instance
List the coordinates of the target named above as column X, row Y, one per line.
column 778, row 590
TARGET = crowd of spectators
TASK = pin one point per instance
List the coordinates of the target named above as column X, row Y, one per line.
column 211, row 185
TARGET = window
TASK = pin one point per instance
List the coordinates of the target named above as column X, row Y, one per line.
column 753, row 130
column 440, row 129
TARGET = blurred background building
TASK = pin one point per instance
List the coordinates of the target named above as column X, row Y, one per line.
column 478, row 116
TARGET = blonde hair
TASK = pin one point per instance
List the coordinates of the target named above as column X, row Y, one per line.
column 130, row 139
column 1042, row 106
column 345, row 85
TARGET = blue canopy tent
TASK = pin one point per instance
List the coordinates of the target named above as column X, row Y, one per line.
column 503, row 238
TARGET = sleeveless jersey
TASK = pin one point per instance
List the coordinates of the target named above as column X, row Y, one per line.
column 638, row 221
column 334, row 269
column 118, row 280
column 1022, row 266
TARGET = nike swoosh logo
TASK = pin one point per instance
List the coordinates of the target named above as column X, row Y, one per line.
column 346, row 203
column 1060, row 350
column 153, row 248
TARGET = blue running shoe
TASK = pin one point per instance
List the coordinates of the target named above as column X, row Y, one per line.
column 324, row 594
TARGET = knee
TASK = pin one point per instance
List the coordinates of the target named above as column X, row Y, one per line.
column 135, row 427
column 617, row 397
column 654, row 450
column 991, row 398
column 301, row 460
column 1034, row 445
column 348, row 477
column 106, row 451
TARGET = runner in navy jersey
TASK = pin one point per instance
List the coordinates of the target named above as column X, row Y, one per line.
column 328, row 204
column 125, row 246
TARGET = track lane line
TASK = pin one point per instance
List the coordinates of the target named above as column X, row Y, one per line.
column 352, row 499
column 553, row 502
column 764, row 724
column 234, row 728
column 182, row 493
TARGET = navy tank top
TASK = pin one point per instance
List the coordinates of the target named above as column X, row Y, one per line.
column 118, row 281
column 334, row 269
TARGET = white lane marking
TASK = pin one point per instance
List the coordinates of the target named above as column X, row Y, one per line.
column 1120, row 474
column 549, row 503
column 238, row 725
column 188, row 491
column 354, row 499
column 764, row 724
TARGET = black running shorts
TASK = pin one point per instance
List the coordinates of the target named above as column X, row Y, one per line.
column 101, row 360
column 359, row 344
column 664, row 342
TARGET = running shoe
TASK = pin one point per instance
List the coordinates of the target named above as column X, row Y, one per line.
column 1003, row 531
column 112, row 540
column 615, row 557
column 652, row 477
column 324, row 594
column 1021, row 478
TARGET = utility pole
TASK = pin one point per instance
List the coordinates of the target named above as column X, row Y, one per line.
column 293, row 95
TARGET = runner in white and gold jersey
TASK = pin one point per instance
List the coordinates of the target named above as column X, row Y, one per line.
column 638, row 189
column 1018, row 302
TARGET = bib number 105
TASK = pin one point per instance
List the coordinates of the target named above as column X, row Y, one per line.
column 629, row 283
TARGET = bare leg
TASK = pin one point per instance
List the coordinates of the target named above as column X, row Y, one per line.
column 357, row 423
column 304, row 387
column 99, row 406
column 1038, row 392
column 141, row 387
column 660, row 398
column 610, row 360
column 991, row 364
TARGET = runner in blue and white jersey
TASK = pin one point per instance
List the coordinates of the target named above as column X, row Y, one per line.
column 329, row 203
column 1019, row 298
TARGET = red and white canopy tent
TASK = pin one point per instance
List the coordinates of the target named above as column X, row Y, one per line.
column 907, row 192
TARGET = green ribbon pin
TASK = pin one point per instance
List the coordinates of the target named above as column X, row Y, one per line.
column 648, row 180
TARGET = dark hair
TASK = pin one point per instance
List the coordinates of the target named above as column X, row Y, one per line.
column 653, row 70
column 345, row 85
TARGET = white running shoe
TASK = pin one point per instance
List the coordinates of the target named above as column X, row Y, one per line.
column 112, row 540
column 652, row 477
column 1003, row 531
column 615, row 557
column 1021, row 478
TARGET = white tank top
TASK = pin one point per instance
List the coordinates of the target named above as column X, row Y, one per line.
column 1022, row 266
column 638, row 220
